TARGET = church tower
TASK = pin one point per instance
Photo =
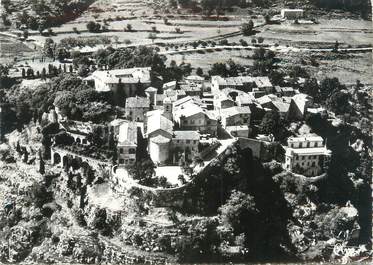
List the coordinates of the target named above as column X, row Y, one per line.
column 167, row 108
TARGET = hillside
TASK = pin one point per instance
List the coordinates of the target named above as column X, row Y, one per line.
column 237, row 209
column 42, row 14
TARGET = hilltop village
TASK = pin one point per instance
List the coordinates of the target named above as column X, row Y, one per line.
column 123, row 153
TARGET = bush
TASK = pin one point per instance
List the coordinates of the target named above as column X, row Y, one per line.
column 93, row 26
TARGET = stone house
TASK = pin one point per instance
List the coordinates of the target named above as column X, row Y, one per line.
column 306, row 155
column 136, row 107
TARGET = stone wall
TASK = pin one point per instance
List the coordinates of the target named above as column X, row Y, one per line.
column 264, row 151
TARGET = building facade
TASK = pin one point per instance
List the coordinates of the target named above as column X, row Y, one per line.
column 136, row 108
column 123, row 83
column 127, row 143
column 306, row 155
column 184, row 145
column 292, row 13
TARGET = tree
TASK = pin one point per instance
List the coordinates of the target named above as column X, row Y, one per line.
column 328, row 86
column 25, row 155
column 25, row 34
column 271, row 124
column 48, row 49
column 230, row 68
column 208, row 6
column 263, row 61
column 339, row 103
column 247, row 28
column 239, row 211
column 199, row 71
column 93, row 27
column 152, row 36
column 311, row 87
column 129, row 27
column 62, row 54
column 63, row 101
column 43, row 74
column 18, row 148
column 41, row 166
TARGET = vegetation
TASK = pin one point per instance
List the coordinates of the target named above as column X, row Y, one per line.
column 247, row 28
column 362, row 6
column 44, row 14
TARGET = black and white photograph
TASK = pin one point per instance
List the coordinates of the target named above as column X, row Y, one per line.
column 166, row 132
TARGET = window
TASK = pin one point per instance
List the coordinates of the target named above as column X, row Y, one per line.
column 132, row 151
column 121, row 161
column 188, row 141
column 121, row 150
column 195, row 141
column 208, row 122
column 291, row 145
column 199, row 121
column 178, row 141
column 300, row 145
column 313, row 164
column 185, row 122
column 192, row 121
column 308, row 144
column 302, row 157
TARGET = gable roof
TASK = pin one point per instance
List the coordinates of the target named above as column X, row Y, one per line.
column 127, row 133
column 301, row 101
column 232, row 111
column 151, row 89
column 282, row 107
column 159, row 122
column 128, row 75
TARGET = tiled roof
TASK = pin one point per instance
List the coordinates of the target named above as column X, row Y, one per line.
column 281, row 106
column 169, row 84
column 128, row 133
column 237, row 128
column 186, row 135
column 188, row 87
column 159, row 122
column 309, row 151
column 151, row 89
column 260, row 81
column 129, row 75
column 77, row 127
column 301, row 100
column 171, row 92
column 305, row 138
column 228, row 112
column 160, row 139
column 195, row 77
column 160, row 97
column 117, row 122
column 137, row 102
